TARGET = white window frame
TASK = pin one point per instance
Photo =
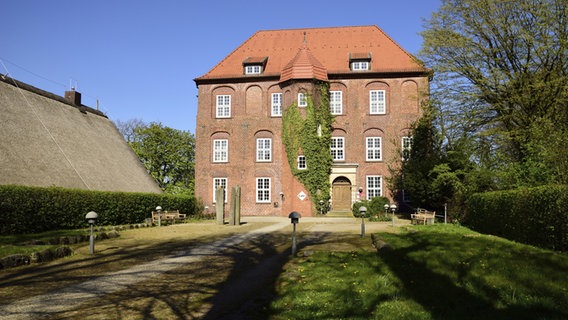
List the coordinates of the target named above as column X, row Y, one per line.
column 374, row 186
column 223, row 106
column 373, row 149
column 302, row 100
column 220, row 150
column 264, row 149
column 336, row 102
column 263, row 185
column 360, row 65
column 406, row 147
column 338, row 148
column 223, row 182
column 276, row 104
column 253, row 69
column 302, row 165
column 377, row 102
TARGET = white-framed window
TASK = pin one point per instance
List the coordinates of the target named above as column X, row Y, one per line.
column 359, row 65
column 336, row 102
column 406, row 147
column 263, row 190
column 223, row 106
column 338, row 148
column 263, row 149
column 220, row 150
column 276, row 104
column 253, row 69
column 377, row 102
column 302, row 100
column 220, row 183
column 373, row 149
column 374, row 186
column 302, row 163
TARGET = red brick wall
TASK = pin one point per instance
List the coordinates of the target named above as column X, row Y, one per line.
column 251, row 118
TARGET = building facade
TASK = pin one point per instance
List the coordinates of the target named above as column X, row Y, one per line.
column 375, row 92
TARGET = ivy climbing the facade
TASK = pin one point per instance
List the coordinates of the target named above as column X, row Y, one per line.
column 308, row 134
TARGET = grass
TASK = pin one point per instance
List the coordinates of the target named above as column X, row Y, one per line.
column 433, row 272
column 24, row 243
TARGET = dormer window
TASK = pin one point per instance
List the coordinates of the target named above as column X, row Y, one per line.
column 360, row 61
column 253, row 69
column 359, row 65
column 254, row 65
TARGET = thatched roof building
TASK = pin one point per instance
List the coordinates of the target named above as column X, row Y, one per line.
column 48, row 140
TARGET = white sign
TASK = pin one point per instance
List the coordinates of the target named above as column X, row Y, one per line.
column 302, row 195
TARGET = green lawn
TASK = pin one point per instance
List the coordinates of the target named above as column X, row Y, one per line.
column 432, row 272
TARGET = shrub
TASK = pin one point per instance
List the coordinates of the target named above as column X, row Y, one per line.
column 34, row 209
column 375, row 207
column 535, row 216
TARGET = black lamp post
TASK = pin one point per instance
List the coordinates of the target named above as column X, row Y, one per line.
column 294, row 218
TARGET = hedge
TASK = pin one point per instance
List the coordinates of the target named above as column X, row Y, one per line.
column 536, row 216
column 34, row 209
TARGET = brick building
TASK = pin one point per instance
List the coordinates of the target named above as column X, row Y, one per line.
column 376, row 89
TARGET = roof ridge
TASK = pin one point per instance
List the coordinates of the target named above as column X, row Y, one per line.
column 316, row 28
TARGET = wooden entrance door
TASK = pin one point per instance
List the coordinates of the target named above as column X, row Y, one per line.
column 341, row 189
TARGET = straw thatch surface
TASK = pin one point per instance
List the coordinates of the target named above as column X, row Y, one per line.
column 46, row 141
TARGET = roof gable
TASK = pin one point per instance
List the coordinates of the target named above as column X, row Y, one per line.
column 331, row 47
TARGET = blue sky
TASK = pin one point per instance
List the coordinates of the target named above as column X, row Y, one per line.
column 139, row 58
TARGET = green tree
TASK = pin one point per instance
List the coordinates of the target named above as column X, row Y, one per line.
column 501, row 82
column 168, row 155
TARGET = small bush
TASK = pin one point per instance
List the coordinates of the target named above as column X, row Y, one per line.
column 375, row 208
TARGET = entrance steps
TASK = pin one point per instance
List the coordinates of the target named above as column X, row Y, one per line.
column 342, row 214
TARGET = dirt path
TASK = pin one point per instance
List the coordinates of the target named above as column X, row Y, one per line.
column 227, row 277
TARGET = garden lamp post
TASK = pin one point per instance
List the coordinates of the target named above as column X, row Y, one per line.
column 321, row 207
column 393, row 209
column 159, row 209
column 362, row 211
column 386, row 206
column 91, row 217
column 294, row 218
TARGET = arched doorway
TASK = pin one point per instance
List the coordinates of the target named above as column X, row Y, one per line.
column 341, row 193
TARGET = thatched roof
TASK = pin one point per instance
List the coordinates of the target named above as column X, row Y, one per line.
column 49, row 141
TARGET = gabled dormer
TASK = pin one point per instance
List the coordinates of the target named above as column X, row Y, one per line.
column 254, row 65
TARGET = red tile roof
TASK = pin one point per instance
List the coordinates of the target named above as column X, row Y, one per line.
column 327, row 50
column 303, row 66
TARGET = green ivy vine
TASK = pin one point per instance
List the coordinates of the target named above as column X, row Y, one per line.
column 311, row 136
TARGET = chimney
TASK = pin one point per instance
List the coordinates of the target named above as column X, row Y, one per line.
column 73, row 96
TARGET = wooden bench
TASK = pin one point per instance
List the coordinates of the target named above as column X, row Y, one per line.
column 168, row 216
column 423, row 217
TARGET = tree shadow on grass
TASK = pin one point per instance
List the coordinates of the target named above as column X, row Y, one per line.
column 235, row 282
column 442, row 297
